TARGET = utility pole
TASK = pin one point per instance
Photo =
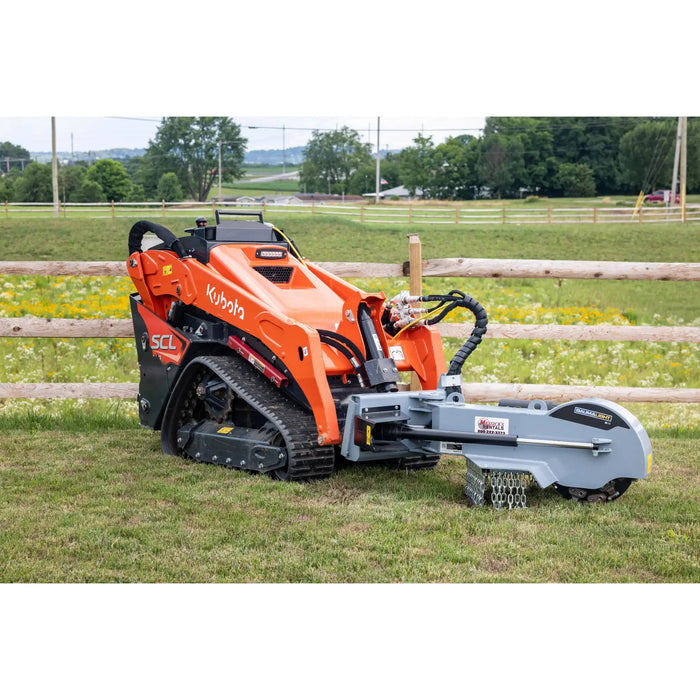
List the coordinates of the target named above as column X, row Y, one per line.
column 376, row 181
column 684, row 162
column 674, row 185
column 219, row 173
column 674, row 182
column 54, row 167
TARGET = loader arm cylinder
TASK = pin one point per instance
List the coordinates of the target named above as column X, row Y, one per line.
column 403, row 430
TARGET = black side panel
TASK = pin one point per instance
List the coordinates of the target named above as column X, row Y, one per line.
column 155, row 377
column 590, row 414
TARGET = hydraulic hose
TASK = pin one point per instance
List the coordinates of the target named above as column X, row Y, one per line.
column 481, row 321
column 349, row 348
column 445, row 304
column 168, row 237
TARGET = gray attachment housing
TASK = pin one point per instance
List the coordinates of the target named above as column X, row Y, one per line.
column 584, row 443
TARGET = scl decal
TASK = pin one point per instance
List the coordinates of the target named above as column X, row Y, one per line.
column 163, row 342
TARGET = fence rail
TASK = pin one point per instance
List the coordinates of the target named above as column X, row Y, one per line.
column 419, row 213
column 451, row 267
column 122, row 328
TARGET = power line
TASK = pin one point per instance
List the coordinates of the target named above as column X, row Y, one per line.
column 137, row 119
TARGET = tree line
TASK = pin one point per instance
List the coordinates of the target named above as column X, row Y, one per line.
column 514, row 156
column 547, row 156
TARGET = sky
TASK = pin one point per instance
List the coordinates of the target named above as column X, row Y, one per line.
column 269, row 132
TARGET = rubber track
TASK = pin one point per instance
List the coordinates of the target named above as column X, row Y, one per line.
column 306, row 459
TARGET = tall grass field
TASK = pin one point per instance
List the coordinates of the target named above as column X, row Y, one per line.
column 87, row 496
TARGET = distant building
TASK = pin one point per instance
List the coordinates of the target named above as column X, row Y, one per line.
column 401, row 192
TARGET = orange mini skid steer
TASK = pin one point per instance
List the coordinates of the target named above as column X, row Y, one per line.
column 254, row 358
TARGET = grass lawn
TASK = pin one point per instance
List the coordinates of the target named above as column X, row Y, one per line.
column 105, row 505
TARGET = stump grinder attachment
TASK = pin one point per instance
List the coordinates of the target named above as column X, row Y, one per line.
column 254, row 358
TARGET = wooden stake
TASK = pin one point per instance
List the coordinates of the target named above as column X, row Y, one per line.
column 415, row 283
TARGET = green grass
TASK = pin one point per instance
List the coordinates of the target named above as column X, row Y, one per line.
column 329, row 238
column 106, row 505
column 255, row 189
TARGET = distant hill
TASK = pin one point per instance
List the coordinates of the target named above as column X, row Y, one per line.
column 67, row 157
column 294, row 156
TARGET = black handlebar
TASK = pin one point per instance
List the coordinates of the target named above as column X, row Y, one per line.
column 168, row 237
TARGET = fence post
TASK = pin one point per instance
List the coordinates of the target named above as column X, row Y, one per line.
column 415, row 282
column 549, row 214
column 162, row 201
column 264, row 209
column 362, row 214
column 595, row 215
column 457, row 214
column 113, row 209
column 7, row 211
column 503, row 214
column 410, row 214
column 313, row 208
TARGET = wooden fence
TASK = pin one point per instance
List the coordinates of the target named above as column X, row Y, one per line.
column 387, row 213
column 453, row 267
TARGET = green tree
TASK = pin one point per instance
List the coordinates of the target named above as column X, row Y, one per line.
column 89, row 191
column 502, row 164
column 418, row 165
column 35, row 184
column 364, row 179
column 575, row 180
column 331, row 159
column 7, row 189
column 549, row 141
column 539, row 165
column 11, row 156
column 189, row 147
column 455, row 173
column 137, row 193
column 70, row 180
column 169, row 188
column 112, row 177
column 7, row 185
column 646, row 155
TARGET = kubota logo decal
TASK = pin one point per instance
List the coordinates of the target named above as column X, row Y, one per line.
column 219, row 299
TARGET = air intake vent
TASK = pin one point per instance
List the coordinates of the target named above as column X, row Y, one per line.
column 275, row 273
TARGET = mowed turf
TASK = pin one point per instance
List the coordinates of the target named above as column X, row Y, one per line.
column 107, row 506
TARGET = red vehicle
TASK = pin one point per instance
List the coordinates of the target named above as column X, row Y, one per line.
column 661, row 196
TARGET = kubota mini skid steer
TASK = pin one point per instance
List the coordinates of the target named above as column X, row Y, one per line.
column 254, row 358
